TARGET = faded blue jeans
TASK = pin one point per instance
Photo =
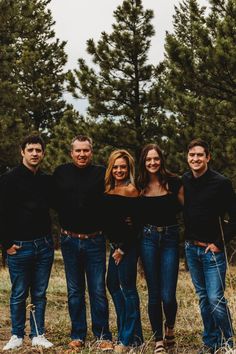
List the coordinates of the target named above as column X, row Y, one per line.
column 208, row 272
column 30, row 270
column 86, row 258
column 160, row 258
column 121, row 283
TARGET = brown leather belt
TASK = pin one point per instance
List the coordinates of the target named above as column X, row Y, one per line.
column 81, row 236
column 198, row 243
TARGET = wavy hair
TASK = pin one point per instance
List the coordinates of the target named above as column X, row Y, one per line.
column 162, row 174
column 117, row 154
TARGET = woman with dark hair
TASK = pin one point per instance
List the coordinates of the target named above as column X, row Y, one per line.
column 161, row 194
column 120, row 203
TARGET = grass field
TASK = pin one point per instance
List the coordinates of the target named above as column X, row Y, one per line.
column 188, row 326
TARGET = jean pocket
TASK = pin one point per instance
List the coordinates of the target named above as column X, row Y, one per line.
column 98, row 240
column 64, row 239
column 50, row 243
column 216, row 257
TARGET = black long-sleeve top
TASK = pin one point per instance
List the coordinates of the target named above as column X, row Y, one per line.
column 24, row 205
column 78, row 196
column 206, row 199
column 117, row 209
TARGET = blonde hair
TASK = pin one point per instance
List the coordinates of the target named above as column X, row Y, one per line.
column 117, row 154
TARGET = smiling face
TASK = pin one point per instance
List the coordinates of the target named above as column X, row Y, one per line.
column 198, row 160
column 152, row 162
column 81, row 153
column 120, row 170
column 32, row 155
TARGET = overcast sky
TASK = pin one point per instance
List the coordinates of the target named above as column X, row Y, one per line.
column 79, row 20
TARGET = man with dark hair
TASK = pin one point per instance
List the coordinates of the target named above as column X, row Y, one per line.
column 208, row 197
column 32, row 139
column 26, row 237
column 79, row 187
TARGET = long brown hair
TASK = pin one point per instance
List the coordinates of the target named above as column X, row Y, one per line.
column 117, row 154
column 162, row 174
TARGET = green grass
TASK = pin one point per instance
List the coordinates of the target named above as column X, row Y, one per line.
column 188, row 325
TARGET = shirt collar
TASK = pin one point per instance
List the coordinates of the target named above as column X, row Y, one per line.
column 202, row 178
column 25, row 171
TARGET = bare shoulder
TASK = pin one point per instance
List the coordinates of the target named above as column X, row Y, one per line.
column 131, row 191
column 125, row 190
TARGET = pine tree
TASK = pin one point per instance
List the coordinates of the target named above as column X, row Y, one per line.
column 31, row 73
column 32, row 63
column 58, row 147
column 120, row 86
column 199, row 79
column 11, row 126
column 40, row 63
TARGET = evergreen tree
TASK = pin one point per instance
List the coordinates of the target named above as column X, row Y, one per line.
column 31, row 73
column 199, row 78
column 58, row 147
column 11, row 126
column 40, row 63
column 120, row 87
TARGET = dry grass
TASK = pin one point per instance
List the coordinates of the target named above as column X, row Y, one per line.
column 188, row 326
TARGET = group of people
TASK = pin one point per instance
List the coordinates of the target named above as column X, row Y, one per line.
column 139, row 218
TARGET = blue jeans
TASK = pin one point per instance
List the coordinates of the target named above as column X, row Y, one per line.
column 86, row 258
column 30, row 270
column 208, row 272
column 121, row 282
column 160, row 258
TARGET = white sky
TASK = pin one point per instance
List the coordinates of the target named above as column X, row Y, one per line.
column 79, row 20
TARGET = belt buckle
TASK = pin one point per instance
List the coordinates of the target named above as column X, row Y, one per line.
column 160, row 228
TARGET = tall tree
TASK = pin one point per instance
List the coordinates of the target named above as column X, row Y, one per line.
column 40, row 63
column 120, row 86
column 31, row 73
column 199, row 80
column 11, row 126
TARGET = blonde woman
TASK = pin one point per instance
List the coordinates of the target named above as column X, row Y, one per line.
column 120, row 204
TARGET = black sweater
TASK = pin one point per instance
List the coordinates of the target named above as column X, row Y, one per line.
column 78, row 196
column 207, row 198
column 24, row 205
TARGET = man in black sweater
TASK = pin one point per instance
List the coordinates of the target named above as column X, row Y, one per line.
column 208, row 197
column 79, row 188
column 26, row 237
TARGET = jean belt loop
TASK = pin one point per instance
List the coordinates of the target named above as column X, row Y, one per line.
column 159, row 239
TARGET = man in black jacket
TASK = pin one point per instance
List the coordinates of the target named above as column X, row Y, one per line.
column 26, row 237
column 209, row 196
column 79, row 188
